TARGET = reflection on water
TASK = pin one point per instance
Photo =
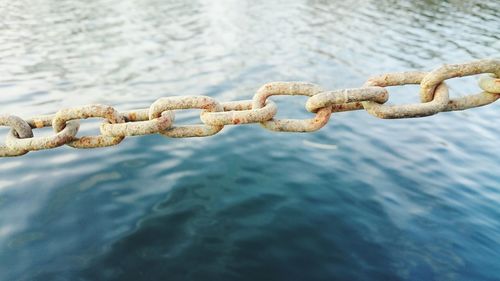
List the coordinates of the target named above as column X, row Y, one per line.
column 361, row 199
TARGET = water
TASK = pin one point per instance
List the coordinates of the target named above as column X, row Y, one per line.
column 362, row 199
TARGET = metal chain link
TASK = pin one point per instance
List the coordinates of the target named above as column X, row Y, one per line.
column 160, row 117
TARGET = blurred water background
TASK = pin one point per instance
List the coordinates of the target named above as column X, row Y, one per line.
column 362, row 199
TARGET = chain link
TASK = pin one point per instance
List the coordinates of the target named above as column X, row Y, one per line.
column 239, row 112
column 490, row 83
column 65, row 136
column 88, row 111
column 18, row 127
column 349, row 98
column 448, row 71
column 187, row 102
column 437, row 104
column 138, row 128
column 292, row 89
column 159, row 118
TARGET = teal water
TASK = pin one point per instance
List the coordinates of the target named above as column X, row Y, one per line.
column 361, row 199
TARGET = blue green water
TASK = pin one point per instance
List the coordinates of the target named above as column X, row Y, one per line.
column 361, row 199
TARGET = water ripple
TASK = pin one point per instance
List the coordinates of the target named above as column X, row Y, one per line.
column 361, row 199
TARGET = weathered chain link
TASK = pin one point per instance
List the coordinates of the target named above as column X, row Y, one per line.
column 160, row 117
column 437, row 104
column 18, row 127
column 62, row 117
column 292, row 88
column 187, row 102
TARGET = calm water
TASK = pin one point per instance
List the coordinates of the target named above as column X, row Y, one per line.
column 362, row 199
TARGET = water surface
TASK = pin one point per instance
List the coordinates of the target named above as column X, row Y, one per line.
column 362, row 199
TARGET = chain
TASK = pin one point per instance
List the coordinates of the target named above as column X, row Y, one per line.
column 159, row 118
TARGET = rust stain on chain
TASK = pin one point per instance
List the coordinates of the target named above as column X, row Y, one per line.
column 159, row 118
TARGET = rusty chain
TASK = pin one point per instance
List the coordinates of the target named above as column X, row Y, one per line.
column 159, row 118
